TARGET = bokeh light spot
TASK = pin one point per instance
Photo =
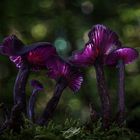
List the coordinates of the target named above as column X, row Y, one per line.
column 62, row 45
column 87, row 7
column 39, row 31
column 74, row 104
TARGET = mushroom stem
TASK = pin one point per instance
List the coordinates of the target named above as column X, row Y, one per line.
column 16, row 120
column 31, row 106
column 52, row 104
column 20, row 85
column 103, row 93
column 121, row 93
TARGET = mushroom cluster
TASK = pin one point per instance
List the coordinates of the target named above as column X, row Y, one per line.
column 38, row 56
column 103, row 48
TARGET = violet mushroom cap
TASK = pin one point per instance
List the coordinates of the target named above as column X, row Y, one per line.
column 126, row 54
column 11, row 46
column 84, row 57
column 102, row 41
column 36, row 54
column 58, row 68
column 36, row 85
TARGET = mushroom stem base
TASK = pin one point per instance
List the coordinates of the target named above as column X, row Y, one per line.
column 121, row 93
column 15, row 122
column 103, row 93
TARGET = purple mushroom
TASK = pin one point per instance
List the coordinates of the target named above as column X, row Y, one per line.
column 119, row 58
column 26, row 58
column 104, row 48
column 37, row 86
column 38, row 56
column 34, row 56
column 66, row 76
column 101, row 42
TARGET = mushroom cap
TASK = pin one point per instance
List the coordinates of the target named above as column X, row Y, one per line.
column 36, row 85
column 41, row 54
column 84, row 57
column 104, row 39
column 36, row 54
column 11, row 45
column 31, row 47
column 126, row 54
column 58, row 68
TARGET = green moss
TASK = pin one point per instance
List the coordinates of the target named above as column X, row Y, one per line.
column 70, row 130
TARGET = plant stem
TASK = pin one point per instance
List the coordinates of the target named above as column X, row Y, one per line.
column 104, row 96
column 31, row 106
column 52, row 104
column 121, row 92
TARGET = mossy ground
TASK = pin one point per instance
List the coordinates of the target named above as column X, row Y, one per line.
column 70, row 130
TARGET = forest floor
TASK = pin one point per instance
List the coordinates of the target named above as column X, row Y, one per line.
column 71, row 130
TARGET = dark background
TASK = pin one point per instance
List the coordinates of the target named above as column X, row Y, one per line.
column 65, row 23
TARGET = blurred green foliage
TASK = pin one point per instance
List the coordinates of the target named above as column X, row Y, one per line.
column 65, row 23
